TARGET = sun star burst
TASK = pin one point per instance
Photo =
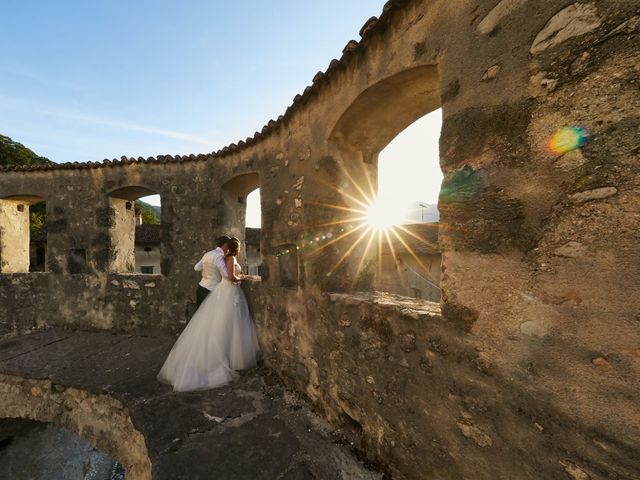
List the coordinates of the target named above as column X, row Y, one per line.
column 371, row 222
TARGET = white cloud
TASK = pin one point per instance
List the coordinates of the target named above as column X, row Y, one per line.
column 188, row 137
column 53, row 111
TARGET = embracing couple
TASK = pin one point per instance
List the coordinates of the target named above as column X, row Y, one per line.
column 220, row 338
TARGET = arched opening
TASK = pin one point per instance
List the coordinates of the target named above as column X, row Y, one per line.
column 253, row 225
column 135, row 231
column 240, row 216
column 409, row 179
column 23, row 234
column 148, row 235
column 389, row 180
column 98, row 419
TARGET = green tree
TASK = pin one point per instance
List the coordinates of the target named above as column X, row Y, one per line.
column 37, row 216
column 149, row 217
column 14, row 153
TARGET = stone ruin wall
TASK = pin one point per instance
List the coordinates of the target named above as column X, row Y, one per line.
column 532, row 369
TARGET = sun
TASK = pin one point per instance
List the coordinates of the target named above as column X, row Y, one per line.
column 381, row 215
column 370, row 222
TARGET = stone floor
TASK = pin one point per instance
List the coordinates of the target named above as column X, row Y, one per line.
column 253, row 429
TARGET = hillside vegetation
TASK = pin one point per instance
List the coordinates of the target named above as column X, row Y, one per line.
column 14, row 153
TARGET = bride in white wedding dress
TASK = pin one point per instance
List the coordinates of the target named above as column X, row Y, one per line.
column 219, row 339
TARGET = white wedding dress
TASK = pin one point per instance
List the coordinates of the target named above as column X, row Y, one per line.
column 219, row 339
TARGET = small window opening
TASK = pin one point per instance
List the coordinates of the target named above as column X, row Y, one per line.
column 135, row 231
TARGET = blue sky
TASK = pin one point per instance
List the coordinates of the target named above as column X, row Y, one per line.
column 88, row 80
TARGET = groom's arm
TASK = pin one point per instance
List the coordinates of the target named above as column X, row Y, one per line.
column 200, row 265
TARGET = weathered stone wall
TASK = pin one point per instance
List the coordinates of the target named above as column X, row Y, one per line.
column 81, row 217
column 538, row 254
column 539, row 248
column 428, row 399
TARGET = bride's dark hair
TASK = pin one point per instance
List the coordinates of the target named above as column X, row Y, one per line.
column 233, row 245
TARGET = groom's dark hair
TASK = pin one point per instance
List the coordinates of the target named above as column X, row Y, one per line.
column 222, row 240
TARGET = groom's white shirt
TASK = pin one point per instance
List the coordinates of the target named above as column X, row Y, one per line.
column 212, row 267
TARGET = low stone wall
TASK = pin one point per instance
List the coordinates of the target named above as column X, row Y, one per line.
column 151, row 304
column 23, row 297
column 426, row 397
column 99, row 419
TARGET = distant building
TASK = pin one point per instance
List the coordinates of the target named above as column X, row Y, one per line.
column 253, row 263
column 147, row 248
column 412, row 270
column 423, row 212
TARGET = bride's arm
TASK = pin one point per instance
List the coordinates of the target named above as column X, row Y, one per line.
column 230, row 270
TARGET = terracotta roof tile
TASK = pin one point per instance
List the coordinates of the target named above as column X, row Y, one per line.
column 147, row 234
column 368, row 26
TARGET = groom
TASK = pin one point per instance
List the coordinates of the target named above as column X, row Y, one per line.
column 211, row 266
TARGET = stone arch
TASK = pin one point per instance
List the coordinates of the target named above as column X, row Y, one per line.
column 131, row 192
column 15, row 231
column 372, row 120
column 100, row 419
column 386, row 108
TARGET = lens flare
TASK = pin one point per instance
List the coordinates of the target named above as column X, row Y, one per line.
column 567, row 139
column 370, row 222
column 381, row 216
